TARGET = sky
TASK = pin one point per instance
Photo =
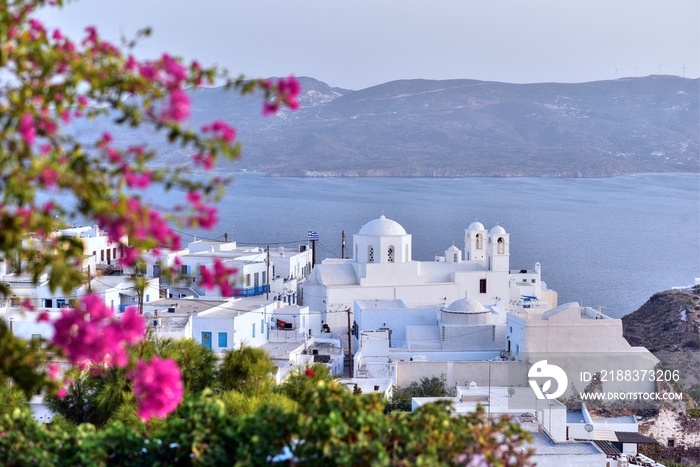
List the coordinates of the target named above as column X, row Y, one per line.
column 361, row 43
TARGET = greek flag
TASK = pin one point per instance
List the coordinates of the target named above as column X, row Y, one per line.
column 313, row 235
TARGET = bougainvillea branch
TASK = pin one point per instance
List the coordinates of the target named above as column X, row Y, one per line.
column 48, row 83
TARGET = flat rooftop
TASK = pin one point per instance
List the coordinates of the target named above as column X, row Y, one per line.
column 181, row 305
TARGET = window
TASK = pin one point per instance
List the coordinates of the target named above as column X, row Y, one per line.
column 262, row 325
column 184, row 269
column 114, row 252
column 405, row 256
column 532, row 280
column 478, row 242
column 390, row 254
column 264, row 277
column 455, row 258
column 253, row 329
column 256, row 277
column 356, row 252
column 48, row 303
column 247, row 280
column 370, row 254
column 501, row 245
column 102, row 255
column 482, row 285
column 223, row 339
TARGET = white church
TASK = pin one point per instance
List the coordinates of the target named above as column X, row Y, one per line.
column 382, row 268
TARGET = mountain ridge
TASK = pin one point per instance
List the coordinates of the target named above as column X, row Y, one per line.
column 463, row 127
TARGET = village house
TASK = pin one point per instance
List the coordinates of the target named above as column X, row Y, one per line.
column 272, row 273
column 382, row 268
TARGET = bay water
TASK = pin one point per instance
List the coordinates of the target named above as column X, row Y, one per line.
column 609, row 242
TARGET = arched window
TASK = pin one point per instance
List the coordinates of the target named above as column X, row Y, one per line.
column 390, row 254
column 356, row 253
column 501, row 245
column 405, row 256
column 370, row 254
column 479, row 246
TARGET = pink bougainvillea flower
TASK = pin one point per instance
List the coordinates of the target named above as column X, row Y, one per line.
column 206, row 161
column 54, row 370
column 176, row 72
column 221, row 131
column 178, row 106
column 26, row 128
column 288, row 91
column 219, row 277
column 270, row 108
column 137, row 179
column 90, row 333
column 157, row 387
column 48, row 177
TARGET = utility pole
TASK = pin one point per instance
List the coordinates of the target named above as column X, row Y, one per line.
column 342, row 245
column 350, row 359
column 267, row 288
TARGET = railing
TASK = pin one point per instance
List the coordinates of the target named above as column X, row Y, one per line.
column 250, row 291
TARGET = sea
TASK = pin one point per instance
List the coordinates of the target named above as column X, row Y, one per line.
column 603, row 242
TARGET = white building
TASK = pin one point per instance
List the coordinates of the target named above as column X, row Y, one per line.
column 545, row 420
column 272, row 274
column 100, row 257
column 580, row 339
column 382, row 268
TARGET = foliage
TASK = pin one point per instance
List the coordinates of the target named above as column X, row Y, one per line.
column 327, row 424
column 50, row 82
column 427, row 387
column 52, row 173
column 20, row 362
column 247, row 370
column 197, row 363
column 92, row 397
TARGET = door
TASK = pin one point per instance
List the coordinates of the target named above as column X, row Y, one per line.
column 206, row 339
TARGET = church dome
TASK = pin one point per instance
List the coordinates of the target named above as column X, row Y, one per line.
column 466, row 305
column 497, row 230
column 453, row 249
column 476, row 226
column 382, row 226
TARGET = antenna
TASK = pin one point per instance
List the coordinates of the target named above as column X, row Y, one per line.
column 660, row 67
column 635, row 70
column 683, row 69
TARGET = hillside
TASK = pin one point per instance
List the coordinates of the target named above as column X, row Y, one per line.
column 668, row 324
column 465, row 128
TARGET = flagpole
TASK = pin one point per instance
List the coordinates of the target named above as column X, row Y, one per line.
column 313, row 253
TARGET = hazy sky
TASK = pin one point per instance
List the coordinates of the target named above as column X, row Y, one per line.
column 360, row 43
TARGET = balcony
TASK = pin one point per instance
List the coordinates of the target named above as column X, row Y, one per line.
column 250, row 291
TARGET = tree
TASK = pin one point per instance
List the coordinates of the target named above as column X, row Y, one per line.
column 49, row 83
column 435, row 386
column 247, row 370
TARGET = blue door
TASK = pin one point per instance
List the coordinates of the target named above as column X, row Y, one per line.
column 206, row 339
